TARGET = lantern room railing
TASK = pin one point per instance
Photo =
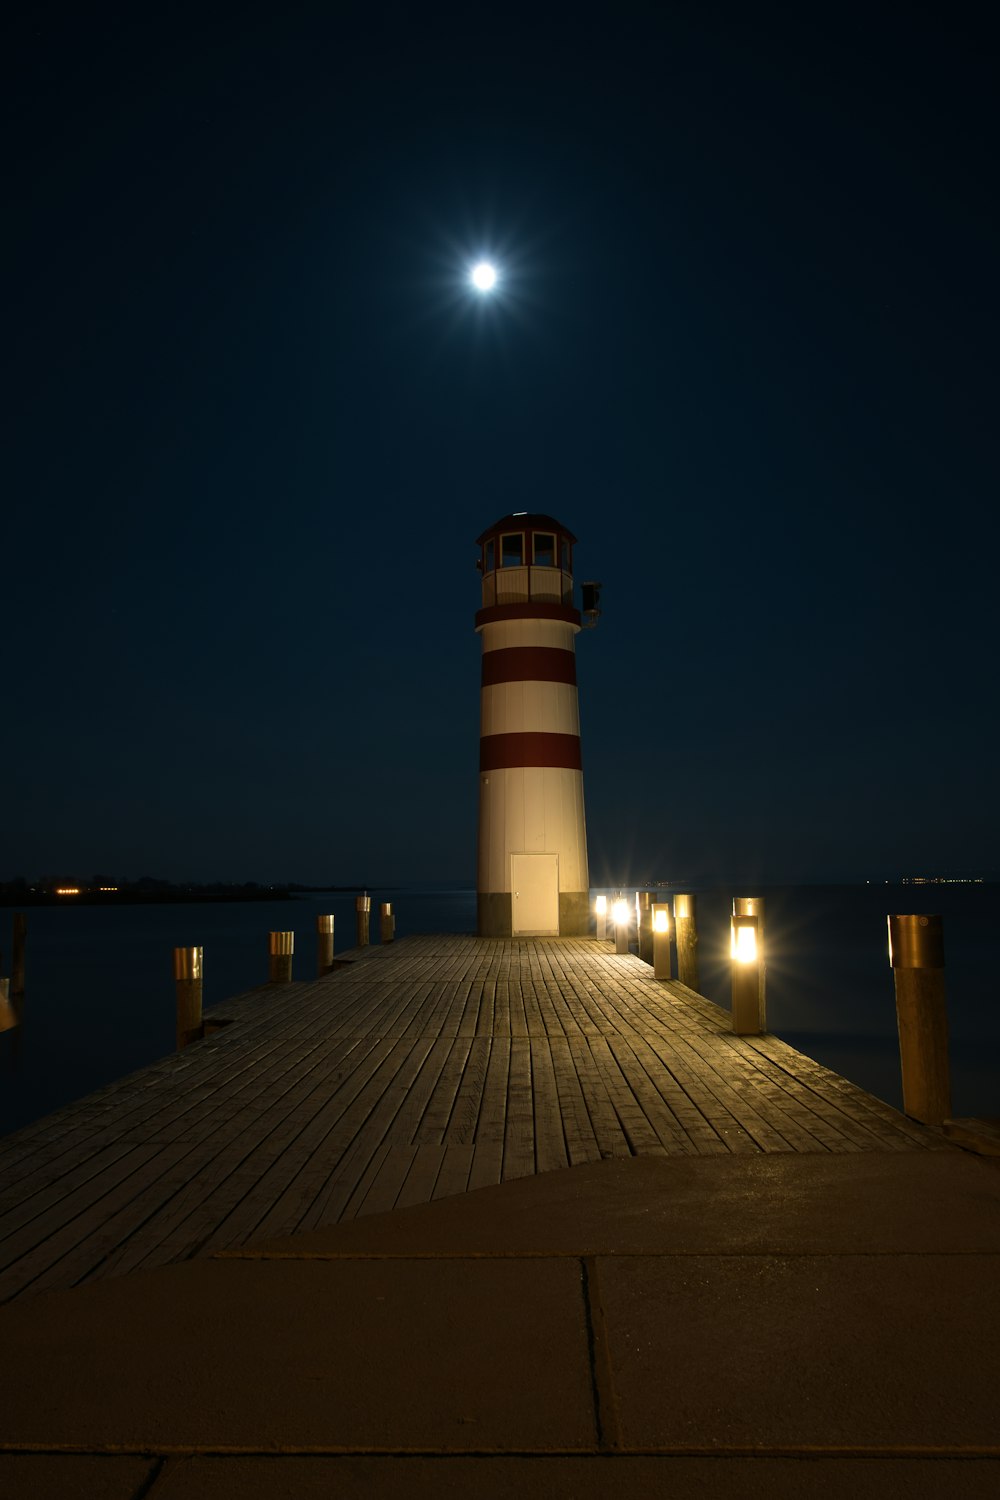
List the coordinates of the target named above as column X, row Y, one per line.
column 524, row 585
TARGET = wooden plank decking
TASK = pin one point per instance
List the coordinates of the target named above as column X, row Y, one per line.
column 427, row 1068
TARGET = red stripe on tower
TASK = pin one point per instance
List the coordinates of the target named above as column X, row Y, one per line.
column 497, row 751
column 529, row 664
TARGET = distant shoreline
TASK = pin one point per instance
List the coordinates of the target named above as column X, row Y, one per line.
column 171, row 897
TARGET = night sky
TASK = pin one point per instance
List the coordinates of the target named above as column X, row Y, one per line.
column 744, row 347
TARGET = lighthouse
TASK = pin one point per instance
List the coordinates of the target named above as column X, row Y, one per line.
column 533, row 878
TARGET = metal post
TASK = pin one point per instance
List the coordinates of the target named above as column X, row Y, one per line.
column 747, row 1019
column 324, row 944
column 387, row 922
column 362, row 908
column 753, row 906
column 189, row 973
column 686, row 936
column 661, row 940
column 644, row 925
column 17, row 955
column 280, row 947
column 916, row 953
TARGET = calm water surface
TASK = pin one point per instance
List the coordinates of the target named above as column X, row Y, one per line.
column 100, row 995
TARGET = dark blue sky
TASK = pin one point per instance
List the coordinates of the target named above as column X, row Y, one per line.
column 745, row 348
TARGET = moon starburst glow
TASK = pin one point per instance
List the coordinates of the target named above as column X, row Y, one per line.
column 483, row 276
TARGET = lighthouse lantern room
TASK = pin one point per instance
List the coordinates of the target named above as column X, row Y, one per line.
column 533, row 878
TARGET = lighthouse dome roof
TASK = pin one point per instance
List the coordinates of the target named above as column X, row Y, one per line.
column 525, row 520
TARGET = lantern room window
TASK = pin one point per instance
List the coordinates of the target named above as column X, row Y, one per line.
column 545, row 549
column 512, row 550
column 564, row 554
column 490, row 560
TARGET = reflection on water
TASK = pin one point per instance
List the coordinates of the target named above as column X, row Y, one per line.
column 100, row 995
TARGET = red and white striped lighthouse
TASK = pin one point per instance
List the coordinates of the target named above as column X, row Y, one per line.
column 533, row 876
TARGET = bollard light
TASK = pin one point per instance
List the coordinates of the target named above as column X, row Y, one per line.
column 620, row 917
column 746, row 956
column 661, row 940
column 744, row 940
column 601, row 916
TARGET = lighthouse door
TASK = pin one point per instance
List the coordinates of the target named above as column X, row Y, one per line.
column 534, row 884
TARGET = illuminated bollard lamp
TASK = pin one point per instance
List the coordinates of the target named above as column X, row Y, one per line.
column 916, row 953
column 753, row 906
column 746, row 957
column 661, row 940
column 601, row 918
column 620, row 917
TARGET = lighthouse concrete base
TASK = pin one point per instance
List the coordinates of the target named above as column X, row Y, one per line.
column 494, row 916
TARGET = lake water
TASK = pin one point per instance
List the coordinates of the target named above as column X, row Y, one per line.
column 100, row 994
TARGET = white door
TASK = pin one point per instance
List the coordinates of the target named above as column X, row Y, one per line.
column 534, row 884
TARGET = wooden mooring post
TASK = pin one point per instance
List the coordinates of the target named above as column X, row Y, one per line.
column 189, row 973
column 686, row 936
column 324, row 944
column 619, row 915
column 916, row 953
column 362, row 911
column 661, row 940
column 387, row 922
column 644, row 925
column 280, row 947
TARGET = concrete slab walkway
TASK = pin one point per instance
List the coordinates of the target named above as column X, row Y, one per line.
column 774, row 1325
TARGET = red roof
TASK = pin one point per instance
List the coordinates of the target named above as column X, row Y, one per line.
column 525, row 521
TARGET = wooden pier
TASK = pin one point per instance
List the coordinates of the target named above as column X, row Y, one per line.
column 425, row 1068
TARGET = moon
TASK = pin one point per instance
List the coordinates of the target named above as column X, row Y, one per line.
column 483, row 276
